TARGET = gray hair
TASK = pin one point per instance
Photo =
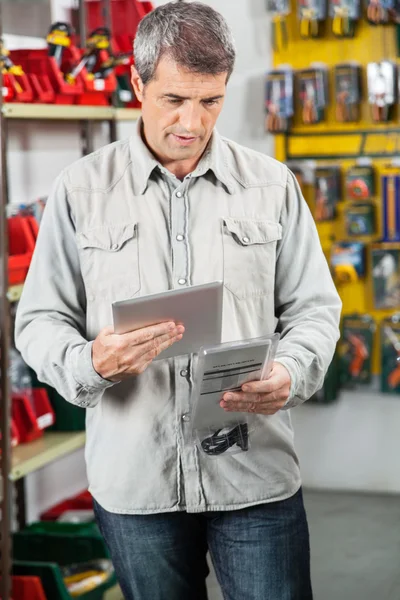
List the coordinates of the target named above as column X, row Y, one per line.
column 193, row 34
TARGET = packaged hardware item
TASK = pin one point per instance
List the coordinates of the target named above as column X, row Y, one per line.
column 311, row 14
column 327, row 192
column 98, row 40
column 313, row 94
column 379, row 12
column 355, row 348
column 382, row 84
column 59, row 38
column 390, row 355
column 344, row 14
column 221, row 368
column 360, row 182
column 360, row 219
column 385, row 265
column 347, row 92
column 330, row 390
column 279, row 100
column 390, row 202
column 348, row 261
column 279, row 10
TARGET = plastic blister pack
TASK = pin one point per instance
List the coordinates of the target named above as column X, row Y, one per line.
column 221, row 368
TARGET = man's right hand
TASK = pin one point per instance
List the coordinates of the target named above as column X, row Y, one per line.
column 119, row 356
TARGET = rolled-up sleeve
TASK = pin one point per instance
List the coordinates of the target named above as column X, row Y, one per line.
column 307, row 304
column 51, row 321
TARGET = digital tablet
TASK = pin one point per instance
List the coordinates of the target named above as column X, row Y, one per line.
column 198, row 308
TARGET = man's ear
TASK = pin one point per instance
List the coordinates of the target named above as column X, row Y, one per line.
column 137, row 84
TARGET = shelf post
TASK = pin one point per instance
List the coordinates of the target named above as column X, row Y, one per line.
column 86, row 126
column 5, row 398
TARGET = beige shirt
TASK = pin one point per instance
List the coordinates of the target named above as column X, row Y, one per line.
column 116, row 225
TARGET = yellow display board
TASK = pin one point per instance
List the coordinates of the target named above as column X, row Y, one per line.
column 341, row 144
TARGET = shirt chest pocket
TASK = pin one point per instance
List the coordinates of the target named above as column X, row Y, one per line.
column 110, row 260
column 249, row 247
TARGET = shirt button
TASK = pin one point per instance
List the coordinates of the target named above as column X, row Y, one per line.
column 114, row 247
column 245, row 240
column 180, row 237
column 181, row 281
column 179, row 194
column 185, row 418
column 183, row 373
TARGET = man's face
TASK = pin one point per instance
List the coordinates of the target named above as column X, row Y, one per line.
column 179, row 110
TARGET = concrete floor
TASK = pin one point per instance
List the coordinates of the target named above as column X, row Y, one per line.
column 355, row 547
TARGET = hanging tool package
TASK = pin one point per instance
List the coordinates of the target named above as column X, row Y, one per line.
column 279, row 100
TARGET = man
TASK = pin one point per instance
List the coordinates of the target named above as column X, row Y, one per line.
column 177, row 205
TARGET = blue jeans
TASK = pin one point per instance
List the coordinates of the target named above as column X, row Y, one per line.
column 259, row 553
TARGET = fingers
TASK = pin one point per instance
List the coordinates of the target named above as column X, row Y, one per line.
column 244, row 398
column 258, row 409
column 279, row 378
column 254, row 403
column 155, row 347
column 263, row 387
column 141, row 336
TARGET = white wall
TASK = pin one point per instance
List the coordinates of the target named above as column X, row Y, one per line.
column 353, row 444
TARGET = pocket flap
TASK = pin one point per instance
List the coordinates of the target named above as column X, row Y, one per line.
column 250, row 231
column 110, row 237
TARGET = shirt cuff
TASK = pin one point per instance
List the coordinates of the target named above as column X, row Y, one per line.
column 292, row 366
column 84, row 372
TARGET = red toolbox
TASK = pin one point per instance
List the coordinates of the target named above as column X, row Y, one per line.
column 32, row 412
column 21, row 243
column 43, row 91
column 49, row 75
column 22, row 89
column 82, row 501
column 42, row 88
column 17, row 88
column 97, row 92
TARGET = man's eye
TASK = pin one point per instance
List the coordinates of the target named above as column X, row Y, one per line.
column 174, row 101
column 210, row 102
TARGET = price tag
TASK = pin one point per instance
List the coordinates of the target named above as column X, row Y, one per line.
column 99, row 84
column 45, row 421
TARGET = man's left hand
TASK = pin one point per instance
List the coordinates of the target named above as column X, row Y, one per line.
column 262, row 397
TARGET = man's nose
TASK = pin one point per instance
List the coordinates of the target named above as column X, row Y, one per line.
column 190, row 118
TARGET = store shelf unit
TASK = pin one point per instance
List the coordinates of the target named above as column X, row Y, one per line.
column 336, row 143
column 68, row 112
column 17, row 463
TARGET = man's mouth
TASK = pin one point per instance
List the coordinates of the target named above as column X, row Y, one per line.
column 184, row 140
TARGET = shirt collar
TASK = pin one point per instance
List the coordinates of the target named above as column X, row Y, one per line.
column 144, row 162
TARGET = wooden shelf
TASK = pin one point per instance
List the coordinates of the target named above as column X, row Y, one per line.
column 57, row 111
column 127, row 114
column 68, row 112
column 27, row 458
